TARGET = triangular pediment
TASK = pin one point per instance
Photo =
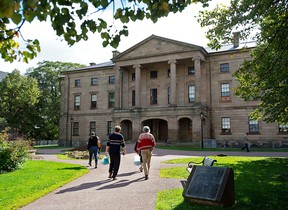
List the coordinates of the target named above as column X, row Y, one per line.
column 156, row 46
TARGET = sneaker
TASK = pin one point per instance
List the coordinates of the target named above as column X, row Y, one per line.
column 146, row 177
column 89, row 163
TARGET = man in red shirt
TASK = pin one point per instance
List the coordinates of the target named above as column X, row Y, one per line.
column 146, row 144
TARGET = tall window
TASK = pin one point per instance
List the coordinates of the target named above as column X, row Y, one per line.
column 191, row 70
column 253, row 126
column 94, row 81
column 75, row 129
column 111, row 80
column 133, row 77
column 226, row 125
column 168, row 72
column 76, row 102
column 77, row 82
column 224, row 67
column 153, row 96
column 169, row 95
column 109, row 128
column 133, row 97
column 191, row 93
column 283, row 129
column 225, row 91
column 153, row 74
column 92, row 127
column 93, row 101
column 111, row 100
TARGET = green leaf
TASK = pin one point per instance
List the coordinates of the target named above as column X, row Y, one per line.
column 16, row 18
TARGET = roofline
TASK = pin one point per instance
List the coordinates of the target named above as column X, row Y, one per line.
column 161, row 38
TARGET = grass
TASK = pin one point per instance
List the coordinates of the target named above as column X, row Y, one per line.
column 260, row 183
column 187, row 147
column 35, row 179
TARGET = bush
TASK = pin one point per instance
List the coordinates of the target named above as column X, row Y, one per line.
column 12, row 153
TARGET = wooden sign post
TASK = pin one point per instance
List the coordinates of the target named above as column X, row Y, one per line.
column 210, row 186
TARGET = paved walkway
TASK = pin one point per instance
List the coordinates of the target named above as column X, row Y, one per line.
column 130, row 191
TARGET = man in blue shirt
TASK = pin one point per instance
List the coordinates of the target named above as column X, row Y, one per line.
column 113, row 147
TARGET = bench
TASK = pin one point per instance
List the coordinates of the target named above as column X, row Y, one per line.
column 205, row 162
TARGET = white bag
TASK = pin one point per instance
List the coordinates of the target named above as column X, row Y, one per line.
column 137, row 161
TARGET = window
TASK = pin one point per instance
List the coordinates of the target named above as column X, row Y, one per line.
column 191, row 93
column 226, row 127
column 191, row 70
column 169, row 95
column 224, row 67
column 283, row 129
column 153, row 74
column 253, row 126
column 94, row 81
column 111, row 80
column 93, row 101
column 225, row 91
column 77, row 82
column 153, row 96
column 92, row 127
column 109, row 128
column 75, row 129
column 133, row 76
column 77, row 102
column 168, row 73
column 133, row 98
column 111, row 100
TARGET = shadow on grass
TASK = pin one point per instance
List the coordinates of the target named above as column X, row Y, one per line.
column 259, row 184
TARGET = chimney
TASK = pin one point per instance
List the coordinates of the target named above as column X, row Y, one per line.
column 92, row 64
column 115, row 53
column 236, row 39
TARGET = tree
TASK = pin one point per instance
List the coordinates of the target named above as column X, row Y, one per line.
column 47, row 74
column 73, row 19
column 265, row 77
column 18, row 97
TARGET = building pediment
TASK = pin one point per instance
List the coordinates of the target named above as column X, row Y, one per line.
column 155, row 46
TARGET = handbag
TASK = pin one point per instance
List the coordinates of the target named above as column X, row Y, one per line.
column 105, row 160
column 137, row 160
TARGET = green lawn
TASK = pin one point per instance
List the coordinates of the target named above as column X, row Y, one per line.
column 35, row 179
column 260, row 183
column 189, row 147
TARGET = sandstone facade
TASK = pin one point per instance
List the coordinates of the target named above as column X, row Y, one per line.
column 184, row 92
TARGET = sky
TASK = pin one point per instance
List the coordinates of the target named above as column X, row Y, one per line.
column 180, row 26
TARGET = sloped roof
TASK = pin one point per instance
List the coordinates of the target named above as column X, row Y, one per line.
column 230, row 47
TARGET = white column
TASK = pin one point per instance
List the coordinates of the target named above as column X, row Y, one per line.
column 137, row 85
column 173, row 83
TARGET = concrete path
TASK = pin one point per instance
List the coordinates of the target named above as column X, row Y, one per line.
column 130, row 191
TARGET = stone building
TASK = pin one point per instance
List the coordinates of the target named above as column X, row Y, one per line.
column 184, row 92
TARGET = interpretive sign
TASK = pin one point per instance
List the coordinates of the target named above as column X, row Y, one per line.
column 212, row 184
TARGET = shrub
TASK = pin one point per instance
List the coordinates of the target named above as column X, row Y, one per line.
column 12, row 153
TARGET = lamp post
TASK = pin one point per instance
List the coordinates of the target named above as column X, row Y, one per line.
column 71, row 131
column 202, row 118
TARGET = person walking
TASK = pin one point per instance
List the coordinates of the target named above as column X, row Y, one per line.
column 246, row 144
column 113, row 148
column 145, row 145
column 92, row 147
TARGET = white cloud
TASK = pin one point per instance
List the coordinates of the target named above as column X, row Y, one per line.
column 181, row 26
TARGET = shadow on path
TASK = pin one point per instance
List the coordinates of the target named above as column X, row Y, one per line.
column 121, row 183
